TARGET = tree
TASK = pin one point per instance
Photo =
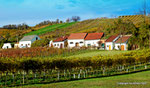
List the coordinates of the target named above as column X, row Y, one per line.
column 40, row 43
column 144, row 35
column 68, row 20
column 75, row 18
column 144, row 10
column 57, row 21
column 7, row 36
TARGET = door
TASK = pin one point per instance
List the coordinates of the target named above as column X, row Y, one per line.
column 61, row 45
column 77, row 44
column 109, row 47
column 122, row 47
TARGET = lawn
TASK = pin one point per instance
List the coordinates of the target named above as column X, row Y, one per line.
column 98, row 52
column 50, row 28
column 135, row 80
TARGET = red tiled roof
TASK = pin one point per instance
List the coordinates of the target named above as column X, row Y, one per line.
column 77, row 36
column 92, row 36
column 111, row 38
column 123, row 39
column 61, row 39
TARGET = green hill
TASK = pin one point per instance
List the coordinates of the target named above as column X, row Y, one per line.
column 50, row 28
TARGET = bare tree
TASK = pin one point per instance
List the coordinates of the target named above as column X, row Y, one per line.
column 75, row 18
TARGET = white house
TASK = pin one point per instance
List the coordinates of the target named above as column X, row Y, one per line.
column 110, row 42
column 76, row 40
column 122, row 42
column 7, row 46
column 60, row 42
column 93, row 39
column 26, row 41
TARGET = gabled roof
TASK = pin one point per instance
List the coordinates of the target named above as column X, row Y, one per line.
column 28, row 38
column 111, row 38
column 77, row 36
column 61, row 39
column 93, row 36
column 123, row 39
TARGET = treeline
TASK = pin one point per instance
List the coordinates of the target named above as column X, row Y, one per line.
column 19, row 26
column 48, row 22
column 58, row 21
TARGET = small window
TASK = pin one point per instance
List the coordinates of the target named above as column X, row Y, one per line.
column 21, row 44
column 28, row 44
column 57, row 44
column 107, row 45
column 71, row 42
column 81, row 42
column 89, row 44
column 54, row 44
column 36, row 38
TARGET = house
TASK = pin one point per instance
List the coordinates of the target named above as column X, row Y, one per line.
column 60, row 42
column 76, row 40
column 121, row 43
column 110, row 42
column 26, row 41
column 7, row 46
column 93, row 39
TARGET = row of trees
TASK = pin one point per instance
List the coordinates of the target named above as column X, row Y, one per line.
column 19, row 26
column 48, row 22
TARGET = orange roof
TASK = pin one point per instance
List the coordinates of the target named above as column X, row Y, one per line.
column 111, row 38
column 123, row 39
column 92, row 36
column 61, row 39
column 77, row 36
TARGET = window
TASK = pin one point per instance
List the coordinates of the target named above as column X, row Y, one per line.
column 107, row 45
column 57, row 44
column 89, row 44
column 36, row 38
column 21, row 44
column 81, row 42
column 54, row 44
column 28, row 44
column 71, row 42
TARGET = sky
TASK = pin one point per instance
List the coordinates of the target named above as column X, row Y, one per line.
column 32, row 12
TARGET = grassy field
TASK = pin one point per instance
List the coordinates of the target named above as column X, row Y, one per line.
column 50, row 28
column 97, row 53
column 135, row 80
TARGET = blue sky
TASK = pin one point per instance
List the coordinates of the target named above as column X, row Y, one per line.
column 35, row 11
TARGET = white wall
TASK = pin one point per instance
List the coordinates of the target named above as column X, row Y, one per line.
column 6, row 46
column 25, row 44
column 58, row 44
column 76, row 41
column 92, row 42
column 118, row 44
column 107, row 44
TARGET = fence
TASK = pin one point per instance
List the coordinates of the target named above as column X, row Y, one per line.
column 21, row 78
